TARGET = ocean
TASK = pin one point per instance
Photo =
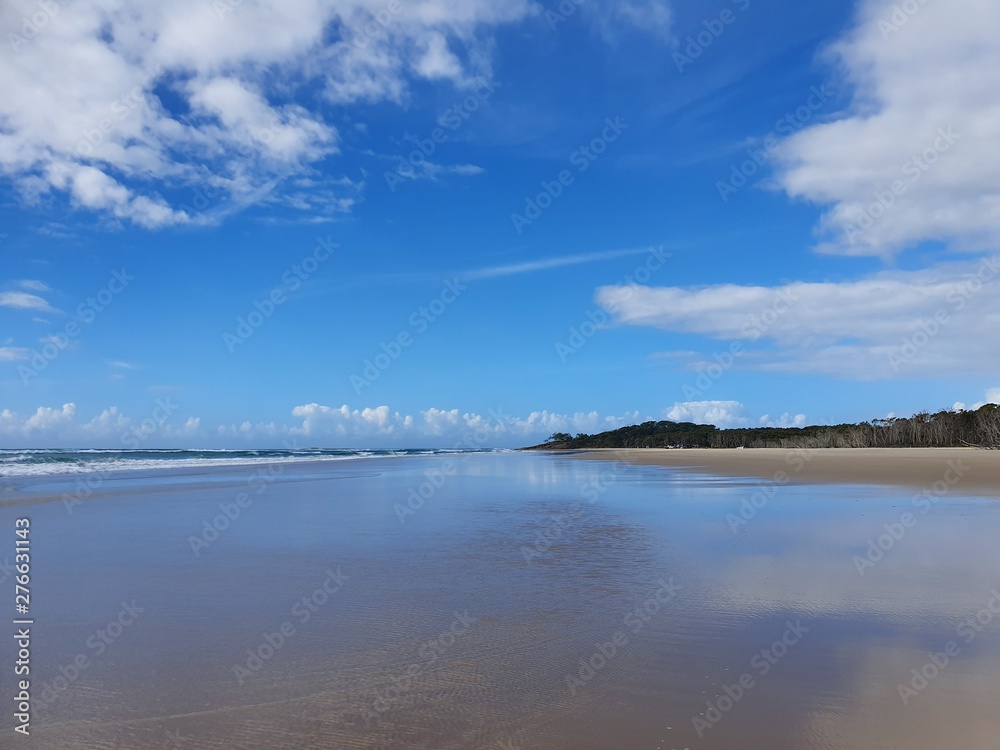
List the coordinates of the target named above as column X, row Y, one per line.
column 40, row 462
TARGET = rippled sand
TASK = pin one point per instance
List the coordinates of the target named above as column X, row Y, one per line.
column 529, row 601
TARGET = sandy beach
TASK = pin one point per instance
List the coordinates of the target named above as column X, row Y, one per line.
column 962, row 470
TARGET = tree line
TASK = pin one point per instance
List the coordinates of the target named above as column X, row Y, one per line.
column 945, row 429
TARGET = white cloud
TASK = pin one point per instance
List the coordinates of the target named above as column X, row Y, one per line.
column 876, row 327
column 613, row 20
column 719, row 413
column 318, row 425
column 346, row 427
column 115, row 105
column 914, row 75
column 33, row 285
column 727, row 414
column 62, row 426
column 545, row 264
column 545, row 423
column 13, row 353
column 992, row 397
column 450, row 424
column 785, row 420
column 49, row 420
column 24, row 301
column 344, row 422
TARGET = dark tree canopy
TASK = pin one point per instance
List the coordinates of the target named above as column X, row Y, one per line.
column 946, row 429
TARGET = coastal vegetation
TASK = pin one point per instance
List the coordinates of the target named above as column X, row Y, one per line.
column 945, row 429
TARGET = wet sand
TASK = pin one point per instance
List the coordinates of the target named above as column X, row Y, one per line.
column 521, row 601
column 963, row 470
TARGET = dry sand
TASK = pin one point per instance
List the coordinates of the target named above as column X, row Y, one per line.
column 963, row 470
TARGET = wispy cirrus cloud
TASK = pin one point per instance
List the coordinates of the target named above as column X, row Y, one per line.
column 546, row 264
column 24, row 301
column 13, row 353
column 33, row 285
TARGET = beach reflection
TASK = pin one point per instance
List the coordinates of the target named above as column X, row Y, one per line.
column 524, row 601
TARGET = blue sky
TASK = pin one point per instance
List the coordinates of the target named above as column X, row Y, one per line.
column 385, row 184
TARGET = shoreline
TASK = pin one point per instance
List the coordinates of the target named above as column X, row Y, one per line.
column 961, row 470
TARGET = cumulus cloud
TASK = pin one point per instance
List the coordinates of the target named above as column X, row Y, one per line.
column 915, row 159
column 62, row 426
column 343, row 426
column 726, row 414
column 47, row 419
column 452, row 424
column 992, row 397
column 719, row 413
column 316, row 424
column 934, row 321
column 341, row 422
column 785, row 420
column 116, row 106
